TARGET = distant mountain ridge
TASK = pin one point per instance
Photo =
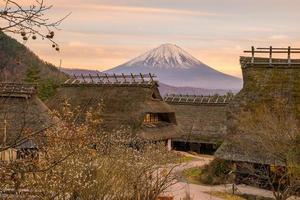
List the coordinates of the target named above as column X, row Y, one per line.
column 174, row 66
column 77, row 71
column 167, row 89
column 163, row 88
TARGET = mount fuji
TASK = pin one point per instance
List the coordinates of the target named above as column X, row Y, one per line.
column 174, row 66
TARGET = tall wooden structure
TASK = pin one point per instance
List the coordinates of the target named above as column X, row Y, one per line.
column 266, row 80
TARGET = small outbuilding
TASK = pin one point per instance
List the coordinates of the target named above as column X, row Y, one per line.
column 202, row 119
column 23, row 118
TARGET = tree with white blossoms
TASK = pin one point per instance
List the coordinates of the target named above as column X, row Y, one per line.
column 81, row 161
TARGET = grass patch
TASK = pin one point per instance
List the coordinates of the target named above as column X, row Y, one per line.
column 216, row 173
column 193, row 175
column 184, row 159
column 226, row 196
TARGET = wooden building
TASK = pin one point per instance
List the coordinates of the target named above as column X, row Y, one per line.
column 128, row 101
column 23, row 117
column 202, row 119
column 266, row 80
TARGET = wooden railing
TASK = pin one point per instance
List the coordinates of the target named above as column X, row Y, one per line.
column 271, row 51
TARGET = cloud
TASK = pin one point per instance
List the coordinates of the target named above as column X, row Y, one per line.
column 278, row 37
column 257, row 29
column 140, row 10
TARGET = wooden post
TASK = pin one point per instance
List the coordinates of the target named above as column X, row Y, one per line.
column 225, row 98
column 100, row 81
column 5, row 133
column 252, row 58
column 142, row 77
column 82, row 78
column 173, row 98
column 132, row 76
column 169, row 144
column 107, row 78
column 202, row 99
column 195, row 99
column 116, row 78
column 75, row 79
column 180, row 98
column 125, row 81
column 217, row 99
column 91, row 78
column 151, row 78
column 289, row 55
column 270, row 58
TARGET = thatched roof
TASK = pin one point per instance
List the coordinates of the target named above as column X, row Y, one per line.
column 124, row 105
column 22, row 113
column 202, row 118
column 264, row 84
column 230, row 150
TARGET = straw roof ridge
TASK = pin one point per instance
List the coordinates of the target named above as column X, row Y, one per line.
column 262, row 62
column 21, row 90
column 203, row 124
column 199, row 99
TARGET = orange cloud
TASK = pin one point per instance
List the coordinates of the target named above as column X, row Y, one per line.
column 143, row 10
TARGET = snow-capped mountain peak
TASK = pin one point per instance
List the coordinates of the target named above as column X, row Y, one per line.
column 174, row 66
column 166, row 56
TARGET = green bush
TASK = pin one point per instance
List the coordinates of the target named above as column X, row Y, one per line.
column 217, row 172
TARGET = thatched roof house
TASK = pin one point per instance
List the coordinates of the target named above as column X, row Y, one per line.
column 131, row 102
column 202, row 119
column 265, row 81
column 22, row 114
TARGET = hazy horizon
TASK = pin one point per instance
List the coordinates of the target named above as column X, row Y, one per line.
column 101, row 34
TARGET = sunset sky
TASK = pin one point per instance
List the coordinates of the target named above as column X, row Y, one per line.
column 101, row 34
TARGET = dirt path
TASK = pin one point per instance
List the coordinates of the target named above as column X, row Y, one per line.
column 201, row 192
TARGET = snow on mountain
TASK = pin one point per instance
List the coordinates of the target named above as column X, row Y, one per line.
column 166, row 56
column 176, row 67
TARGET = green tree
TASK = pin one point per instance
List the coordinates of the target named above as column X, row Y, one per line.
column 32, row 74
column 46, row 89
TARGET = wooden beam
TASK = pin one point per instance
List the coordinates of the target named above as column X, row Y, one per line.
column 274, row 48
column 269, row 51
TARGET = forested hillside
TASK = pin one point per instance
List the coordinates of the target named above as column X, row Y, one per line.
column 19, row 64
